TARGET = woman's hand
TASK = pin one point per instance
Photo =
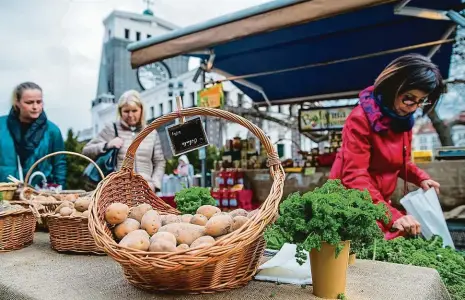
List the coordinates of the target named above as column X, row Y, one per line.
column 427, row 184
column 117, row 143
column 407, row 224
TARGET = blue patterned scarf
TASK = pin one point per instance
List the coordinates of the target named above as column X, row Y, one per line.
column 26, row 136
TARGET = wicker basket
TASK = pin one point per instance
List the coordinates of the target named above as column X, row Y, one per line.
column 71, row 234
column 68, row 234
column 28, row 193
column 8, row 190
column 16, row 229
column 229, row 263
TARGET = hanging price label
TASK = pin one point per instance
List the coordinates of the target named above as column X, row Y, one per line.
column 187, row 137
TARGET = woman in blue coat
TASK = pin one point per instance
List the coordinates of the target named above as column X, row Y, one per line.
column 26, row 135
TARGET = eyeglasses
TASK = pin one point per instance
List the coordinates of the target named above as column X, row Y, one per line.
column 408, row 100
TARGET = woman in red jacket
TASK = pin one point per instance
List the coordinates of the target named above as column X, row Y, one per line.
column 377, row 136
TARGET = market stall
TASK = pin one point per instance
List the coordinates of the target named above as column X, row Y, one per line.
column 298, row 52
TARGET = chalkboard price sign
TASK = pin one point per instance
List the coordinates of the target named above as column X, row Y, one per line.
column 187, row 137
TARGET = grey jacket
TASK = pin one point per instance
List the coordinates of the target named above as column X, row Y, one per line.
column 149, row 161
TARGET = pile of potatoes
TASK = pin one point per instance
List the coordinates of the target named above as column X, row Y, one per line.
column 143, row 228
column 74, row 207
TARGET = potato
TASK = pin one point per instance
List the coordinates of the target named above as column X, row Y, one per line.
column 182, row 247
column 138, row 212
column 238, row 221
column 151, row 222
column 186, row 218
column 252, row 213
column 185, row 233
column 129, row 225
column 137, row 239
column 86, row 214
column 116, row 213
column 221, row 213
column 199, row 219
column 167, row 236
column 239, row 212
column 76, row 213
column 69, row 197
column 219, row 225
column 66, row 211
column 82, row 204
column 203, row 240
column 208, row 210
column 64, row 204
column 169, row 219
column 162, row 246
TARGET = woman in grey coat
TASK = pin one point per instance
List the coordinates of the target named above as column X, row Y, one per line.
column 149, row 161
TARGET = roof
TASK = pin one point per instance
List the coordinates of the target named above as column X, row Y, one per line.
column 332, row 49
column 140, row 17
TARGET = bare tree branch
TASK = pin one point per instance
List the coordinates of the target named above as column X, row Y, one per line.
column 443, row 130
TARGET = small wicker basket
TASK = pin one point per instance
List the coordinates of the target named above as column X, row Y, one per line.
column 8, row 190
column 70, row 233
column 53, row 199
column 229, row 263
column 16, row 229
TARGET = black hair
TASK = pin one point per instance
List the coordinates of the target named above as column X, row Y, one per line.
column 410, row 72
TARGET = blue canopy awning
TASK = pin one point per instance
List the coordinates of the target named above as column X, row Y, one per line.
column 341, row 54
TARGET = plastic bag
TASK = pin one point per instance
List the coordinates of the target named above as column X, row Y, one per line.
column 425, row 207
column 284, row 268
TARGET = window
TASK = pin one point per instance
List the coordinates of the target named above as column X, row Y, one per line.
column 193, row 99
column 126, row 34
column 161, row 109
column 152, row 112
column 109, row 33
column 423, row 139
column 280, row 150
column 170, row 106
column 137, row 36
column 226, row 97
column 280, row 109
column 149, row 36
column 240, row 100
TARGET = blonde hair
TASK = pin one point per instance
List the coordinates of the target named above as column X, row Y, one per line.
column 19, row 90
column 132, row 97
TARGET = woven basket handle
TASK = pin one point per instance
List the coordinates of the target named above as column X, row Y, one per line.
column 273, row 158
column 269, row 208
column 26, row 179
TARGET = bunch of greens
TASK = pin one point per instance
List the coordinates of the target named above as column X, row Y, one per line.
column 331, row 214
column 423, row 253
column 190, row 199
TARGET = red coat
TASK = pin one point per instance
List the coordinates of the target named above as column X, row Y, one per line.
column 374, row 161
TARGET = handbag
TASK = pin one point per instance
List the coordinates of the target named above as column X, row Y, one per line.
column 106, row 161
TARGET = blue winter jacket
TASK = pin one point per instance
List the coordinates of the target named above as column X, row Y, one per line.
column 54, row 168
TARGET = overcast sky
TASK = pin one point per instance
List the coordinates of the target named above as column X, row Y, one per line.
column 57, row 44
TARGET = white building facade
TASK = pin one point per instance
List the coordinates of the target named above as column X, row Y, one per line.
column 116, row 76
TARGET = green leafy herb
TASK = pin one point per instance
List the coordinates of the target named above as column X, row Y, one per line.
column 331, row 214
column 449, row 263
column 189, row 200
